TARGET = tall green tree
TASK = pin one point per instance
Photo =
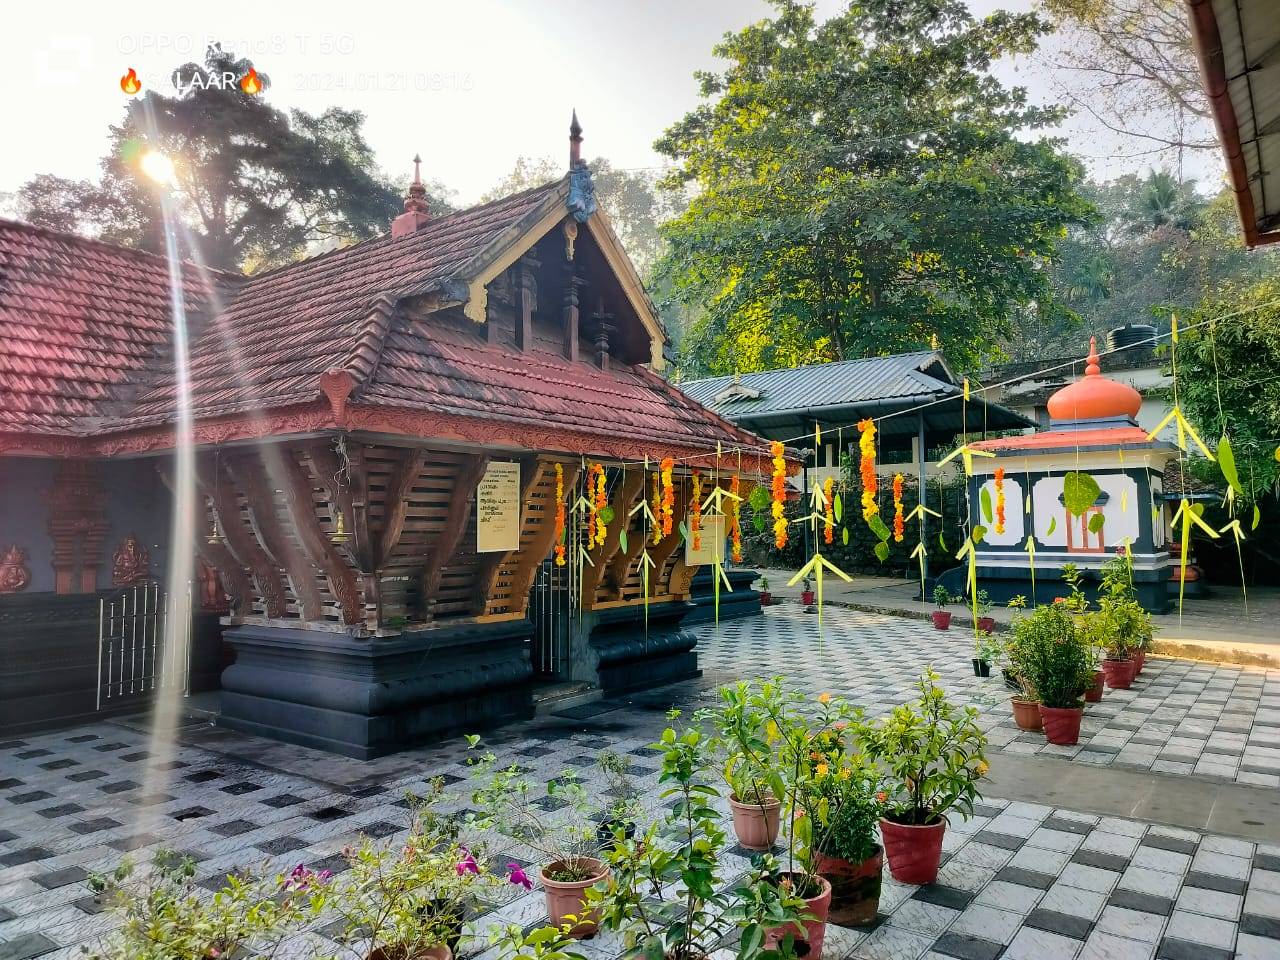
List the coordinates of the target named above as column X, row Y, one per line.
column 255, row 187
column 862, row 185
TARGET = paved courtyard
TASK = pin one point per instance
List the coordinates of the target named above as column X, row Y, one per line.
column 1021, row 880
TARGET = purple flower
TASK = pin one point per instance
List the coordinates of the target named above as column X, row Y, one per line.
column 467, row 864
column 517, row 875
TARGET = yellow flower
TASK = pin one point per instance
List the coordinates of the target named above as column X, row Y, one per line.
column 821, row 769
column 824, row 698
column 982, row 768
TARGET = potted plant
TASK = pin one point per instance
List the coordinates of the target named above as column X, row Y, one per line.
column 755, row 789
column 1129, row 624
column 941, row 616
column 934, row 753
column 766, row 598
column 1056, row 661
column 618, row 819
column 986, row 650
column 665, row 893
column 566, row 838
column 806, row 593
column 1025, row 704
column 984, row 622
column 162, row 916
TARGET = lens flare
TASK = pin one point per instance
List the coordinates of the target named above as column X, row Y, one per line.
column 157, row 167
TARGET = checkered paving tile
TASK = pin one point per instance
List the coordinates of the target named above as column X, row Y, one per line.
column 1018, row 880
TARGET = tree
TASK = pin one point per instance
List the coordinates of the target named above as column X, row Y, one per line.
column 862, row 185
column 254, row 187
column 1130, row 64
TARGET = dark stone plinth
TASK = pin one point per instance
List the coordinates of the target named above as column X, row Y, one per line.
column 1005, row 583
column 49, row 661
column 369, row 698
column 742, row 601
column 631, row 658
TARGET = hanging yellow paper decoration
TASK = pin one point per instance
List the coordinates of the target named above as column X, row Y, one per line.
column 999, row 481
column 695, row 512
column 828, row 510
column 779, row 494
column 899, row 521
column 560, row 545
column 656, row 509
column 735, row 521
column 668, row 496
column 867, row 446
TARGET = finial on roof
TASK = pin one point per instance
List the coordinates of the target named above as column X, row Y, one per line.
column 575, row 141
column 415, row 205
column 1091, row 368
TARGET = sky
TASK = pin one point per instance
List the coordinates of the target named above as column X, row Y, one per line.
column 468, row 84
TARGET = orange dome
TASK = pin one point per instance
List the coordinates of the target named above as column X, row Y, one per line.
column 1093, row 396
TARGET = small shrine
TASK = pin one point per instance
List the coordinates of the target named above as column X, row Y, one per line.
column 1089, row 485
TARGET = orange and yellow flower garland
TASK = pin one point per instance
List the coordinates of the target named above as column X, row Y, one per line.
column 560, row 546
column 999, row 479
column 829, row 520
column 695, row 512
column 596, row 527
column 656, row 509
column 867, row 446
column 899, row 521
column 735, row 522
column 668, row 496
column 779, row 494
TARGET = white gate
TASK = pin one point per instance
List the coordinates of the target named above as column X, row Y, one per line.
column 132, row 640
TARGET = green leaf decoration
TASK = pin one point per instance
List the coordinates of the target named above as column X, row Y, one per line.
column 942, row 540
column 1257, row 517
column 606, row 514
column 1053, row 525
column 979, row 533
column 1198, row 509
column 986, row 505
column 878, row 528
column 622, row 540
column 1026, row 505
column 882, row 551
column 565, row 533
column 759, row 523
column 844, row 536
column 684, row 531
column 837, row 507
column 1095, row 523
column 1079, row 492
column 759, row 498
column 1227, row 461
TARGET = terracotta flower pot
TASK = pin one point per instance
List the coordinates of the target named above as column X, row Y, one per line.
column 987, row 624
column 1094, row 693
column 565, row 897
column 807, row 934
column 439, row 952
column 808, row 598
column 1119, row 673
column 1139, row 660
column 1026, row 713
column 756, row 824
column 766, row 598
column 1062, row 724
column 942, row 619
column 913, row 852
column 855, row 887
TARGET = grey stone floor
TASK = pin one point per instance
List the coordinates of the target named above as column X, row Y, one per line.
column 1021, row 880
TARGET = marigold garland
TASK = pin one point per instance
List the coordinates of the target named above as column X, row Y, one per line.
column 829, row 521
column 656, row 509
column 899, row 521
column 779, row 494
column 999, row 478
column 668, row 496
column 559, row 536
column 867, row 446
column 601, row 502
column 695, row 512
column 735, row 522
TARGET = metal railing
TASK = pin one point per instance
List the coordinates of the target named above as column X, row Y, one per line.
column 134, row 643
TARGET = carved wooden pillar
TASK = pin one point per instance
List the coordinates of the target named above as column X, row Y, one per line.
column 77, row 526
column 525, row 302
column 572, row 284
column 602, row 327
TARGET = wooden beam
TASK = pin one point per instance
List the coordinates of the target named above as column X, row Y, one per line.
column 251, row 477
column 299, row 497
column 396, row 505
column 523, row 300
column 241, row 541
column 446, row 546
column 327, row 469
column 234, row 579
column 631, row 487
column 571, row 287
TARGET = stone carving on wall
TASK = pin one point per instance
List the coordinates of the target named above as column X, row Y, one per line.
column 77, row 526
column 15, row 575
column 131, row 563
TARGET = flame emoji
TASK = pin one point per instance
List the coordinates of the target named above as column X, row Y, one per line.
column 130, row 83
column 250, row 83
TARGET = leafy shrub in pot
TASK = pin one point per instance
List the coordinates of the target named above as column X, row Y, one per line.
column 941, row 616
column 1054, row 657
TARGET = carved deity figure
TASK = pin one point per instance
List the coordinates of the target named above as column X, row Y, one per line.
column 213, row 598
column 130, row 563
column 15, row 575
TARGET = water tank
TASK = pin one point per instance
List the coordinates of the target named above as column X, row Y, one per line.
column 1132, row 338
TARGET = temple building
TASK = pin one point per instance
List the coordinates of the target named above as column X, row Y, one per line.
column 380, row 434
column 1092, row 450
